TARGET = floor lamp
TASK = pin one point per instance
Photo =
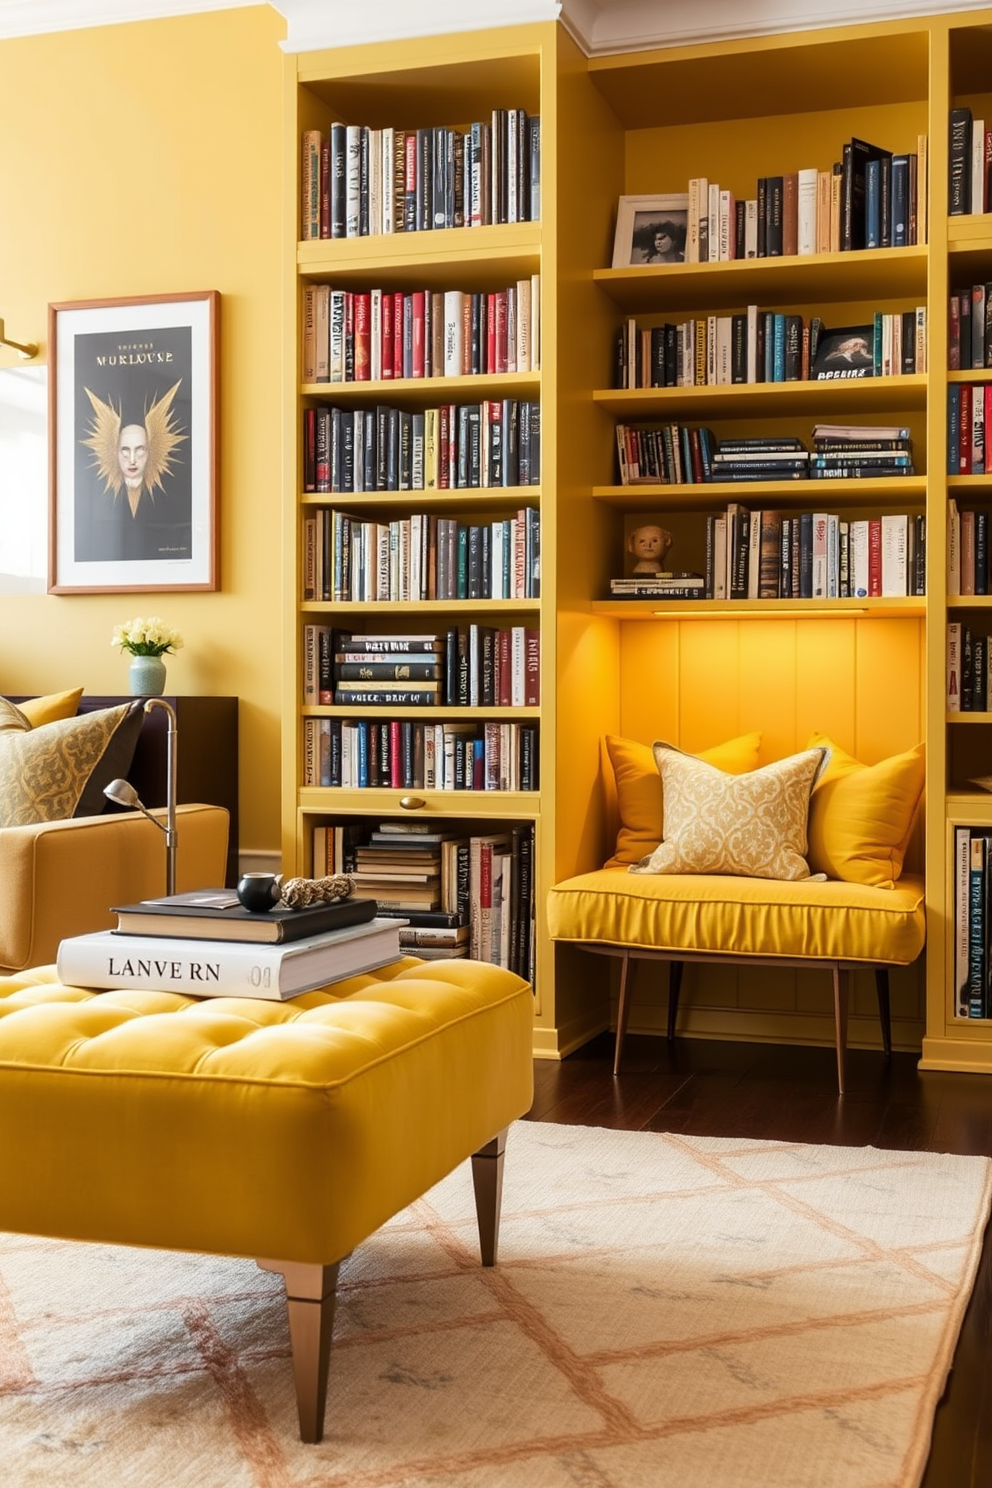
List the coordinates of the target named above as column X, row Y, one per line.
column 124, row 794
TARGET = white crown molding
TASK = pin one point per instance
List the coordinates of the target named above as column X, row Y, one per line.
column 599, row 26
column 602, row 27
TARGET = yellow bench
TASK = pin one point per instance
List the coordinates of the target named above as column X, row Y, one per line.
column 855, row 829
column 283, row 1131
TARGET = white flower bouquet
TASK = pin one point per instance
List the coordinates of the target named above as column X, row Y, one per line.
column 151, row 637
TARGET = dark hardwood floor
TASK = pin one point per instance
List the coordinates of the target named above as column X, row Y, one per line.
column 788, row 1093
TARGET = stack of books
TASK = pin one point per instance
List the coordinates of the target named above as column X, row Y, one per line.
column 204, row 944
column 389, row 670
column 400, row 866
column 777, row 457
column 860, row 451
column 660, row 586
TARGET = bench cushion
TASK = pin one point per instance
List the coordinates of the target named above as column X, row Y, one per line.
column 245, row 1127
column 725, row 915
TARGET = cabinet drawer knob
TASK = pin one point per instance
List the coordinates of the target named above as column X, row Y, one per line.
column 412, row 803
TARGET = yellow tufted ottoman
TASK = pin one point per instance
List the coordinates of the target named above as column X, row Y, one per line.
column 284, row 1131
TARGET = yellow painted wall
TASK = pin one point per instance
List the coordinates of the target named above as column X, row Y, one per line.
column 147, row 159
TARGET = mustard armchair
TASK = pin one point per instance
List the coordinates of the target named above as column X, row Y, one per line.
column 62, row 878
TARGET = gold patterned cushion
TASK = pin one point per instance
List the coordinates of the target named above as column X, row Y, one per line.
column 639, row 798
column 753, row 824
column 59, row 770
column 12, row 718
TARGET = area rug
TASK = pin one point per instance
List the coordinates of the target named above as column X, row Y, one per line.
column 667, row 1310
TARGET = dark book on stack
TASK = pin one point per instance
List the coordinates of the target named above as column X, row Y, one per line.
column 861, row 452
column 772, row 458
column 215, row 914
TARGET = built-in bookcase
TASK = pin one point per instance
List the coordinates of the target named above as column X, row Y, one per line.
column 869, row 672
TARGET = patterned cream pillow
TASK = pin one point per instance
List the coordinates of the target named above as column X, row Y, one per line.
column 59, row 770
column 753, row 825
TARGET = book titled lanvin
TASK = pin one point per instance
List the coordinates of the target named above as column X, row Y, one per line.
column 225, row 968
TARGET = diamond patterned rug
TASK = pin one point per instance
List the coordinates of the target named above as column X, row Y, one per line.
column 676, row 1310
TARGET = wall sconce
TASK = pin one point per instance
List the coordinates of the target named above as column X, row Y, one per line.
column 123, row 793
column 25, row 351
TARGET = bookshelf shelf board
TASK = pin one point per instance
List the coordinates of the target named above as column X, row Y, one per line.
column 414, row 612
column 456, row 499
column 476, row 255
column 818, row 400
column 428, row 715
column 971, row 374
column 763, row 609
column 650, row 496
column 970, row 482
column 985, row 718
column 767, row 282
column 971, row 233
column 969, row 601
column 969, row 808
column 763, row 76
column 464, row 805
column 427, row 392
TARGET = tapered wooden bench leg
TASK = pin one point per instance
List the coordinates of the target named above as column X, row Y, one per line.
column 623, row 1010
column 842, row 984
column 884, row 1008
column 674, row 988
column 310, row 1298
column 487, row 1179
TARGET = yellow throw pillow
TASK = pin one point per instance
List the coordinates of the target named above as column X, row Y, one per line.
column 861, row 816
column 51, row 707
column 753, row 825
column 59, row 770
column 639, row 794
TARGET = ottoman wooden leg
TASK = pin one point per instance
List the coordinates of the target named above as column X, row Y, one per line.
column 310, row 1297
column 487, row 1179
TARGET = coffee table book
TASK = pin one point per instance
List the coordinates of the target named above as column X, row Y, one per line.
column 215, row 914
column 226, row 968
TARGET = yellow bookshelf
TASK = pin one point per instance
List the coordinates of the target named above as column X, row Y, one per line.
column 871, row 672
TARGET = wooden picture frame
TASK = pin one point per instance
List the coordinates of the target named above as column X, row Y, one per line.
column 133, row 428
column 641, row 236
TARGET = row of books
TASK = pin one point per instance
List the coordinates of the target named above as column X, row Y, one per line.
column 421, row 556
column 755, row 345
column 813, row 555
column 968, row 566
column 972, row 919
column 357, row 181
column 472, row 666
column 969, row 686
column 969, row 411
column 381, row 335
column 496, row 443
column 969, row 175
column 969, row 328
column 402, row 754
column 871, row 198
column 677, row 454
column 484, row 880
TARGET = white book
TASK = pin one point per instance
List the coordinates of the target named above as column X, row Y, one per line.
column 375, row 335
column 388, row 169
column 833, row 556
column 728, row 225
column 895, row 539
column 453, row 320
column 518, row 666
column 806, row 195
column 375, row 181
column 720, row 558
column 225, row 968
column 335, row 360
column 859, row 559
column 698, row 207
column 724, row 335
column 713, row 222
column 523, row 332
column 352, row 179
column 751, row 227
column 954, row 666
column 535, row 322
column 978, row 165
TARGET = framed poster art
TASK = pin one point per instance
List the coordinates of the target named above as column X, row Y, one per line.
column 133, row 444
column 651, row 230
